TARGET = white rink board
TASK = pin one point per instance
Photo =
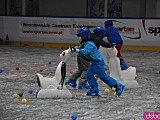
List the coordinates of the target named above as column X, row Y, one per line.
column 63, row 30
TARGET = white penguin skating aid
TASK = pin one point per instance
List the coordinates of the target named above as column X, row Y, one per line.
column 126, row 77
column 54, row 87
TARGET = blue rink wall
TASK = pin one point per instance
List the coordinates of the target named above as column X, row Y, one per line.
column 138, row 34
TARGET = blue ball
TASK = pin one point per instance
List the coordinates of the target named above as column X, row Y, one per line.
column 74, row 116
column 49, row 62
column 30, row 91
column 1, row 71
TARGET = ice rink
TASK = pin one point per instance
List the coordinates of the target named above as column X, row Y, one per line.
column 130, row 106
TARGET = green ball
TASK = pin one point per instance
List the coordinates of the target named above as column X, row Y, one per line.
column 96, row 78
column 66, row 83
column 20, row 94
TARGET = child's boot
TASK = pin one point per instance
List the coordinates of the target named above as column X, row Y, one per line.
column 94, row 91
column 72, row 83
column 119, row 88
column 85, row 86
column 123, row 65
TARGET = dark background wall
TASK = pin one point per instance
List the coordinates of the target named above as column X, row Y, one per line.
column 80, row 8
column 62, row 7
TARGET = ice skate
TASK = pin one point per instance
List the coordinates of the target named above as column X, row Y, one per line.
column 93, row 92
column 119, row 89
column 83, row 86
column 71, row 83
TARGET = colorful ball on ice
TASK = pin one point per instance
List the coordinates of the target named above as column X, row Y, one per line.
column 115, row 94
column 1, row 71
column 15, row 95
column 113, row 89
column 24, row 101
column 41, row 69
column 30, row 91
column 96, row 76
column 66, row 83
column 17, row 68
column 71, row 71
column 106, row 90
column 136, row 76
column 49, row 62
column 20, row 94
column 74, row 116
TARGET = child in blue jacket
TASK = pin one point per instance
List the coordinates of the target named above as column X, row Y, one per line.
column 83, row 63
column 113, row 36
column 90, row 51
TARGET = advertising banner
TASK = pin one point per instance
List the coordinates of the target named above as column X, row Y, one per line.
column 63, row 30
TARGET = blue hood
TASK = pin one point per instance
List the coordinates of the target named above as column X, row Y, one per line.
column 108, row 23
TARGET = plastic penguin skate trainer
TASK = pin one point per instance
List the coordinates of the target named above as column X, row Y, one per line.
column 126, row 77
column 54, row 87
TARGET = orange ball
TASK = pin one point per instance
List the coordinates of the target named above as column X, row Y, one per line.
column 71, row 71
column 17, row 68
column 41, row 69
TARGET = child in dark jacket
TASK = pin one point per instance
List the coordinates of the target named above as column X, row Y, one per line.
column 89, row 50
column 113, row 36
column 83, row 63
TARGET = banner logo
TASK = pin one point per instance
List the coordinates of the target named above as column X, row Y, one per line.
column 128, row 31
column 155, row 30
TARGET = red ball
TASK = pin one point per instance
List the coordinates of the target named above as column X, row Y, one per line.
column 96, row 75
column 71, row 71
column 17, row 68
column 41, row 69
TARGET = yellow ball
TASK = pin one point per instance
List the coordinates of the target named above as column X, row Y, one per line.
column 24, row 101
column 136, row 75
column 115, row 94
column 15, row 95
column 113, row 89
column 106, row 90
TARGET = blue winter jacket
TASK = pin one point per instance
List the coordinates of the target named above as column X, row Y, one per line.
column 113, row 35
column 90, row 51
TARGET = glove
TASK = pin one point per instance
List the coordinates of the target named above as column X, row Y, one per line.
column 74, row 49
column 113, row 44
